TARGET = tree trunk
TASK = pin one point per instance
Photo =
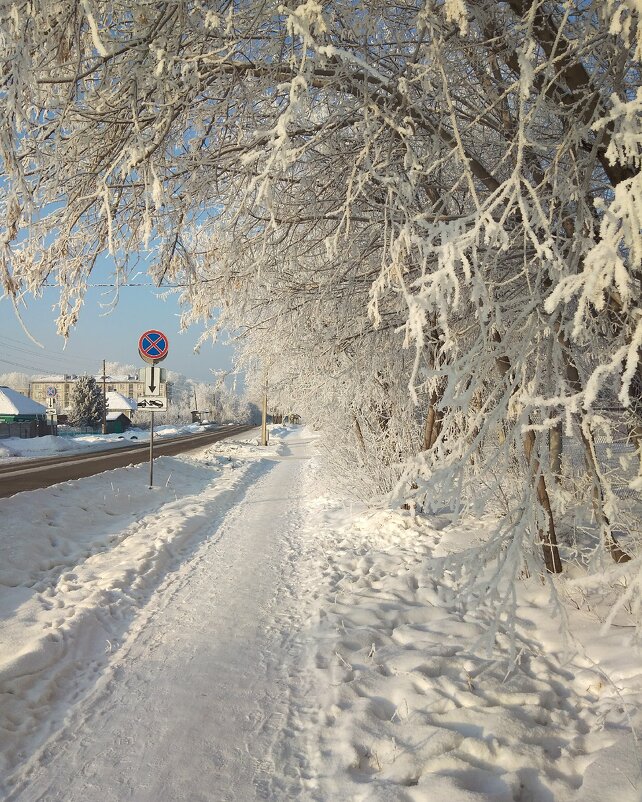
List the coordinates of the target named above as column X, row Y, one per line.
column 606, row 527
column 359, row 436
column 434, row 418
column 548, row 537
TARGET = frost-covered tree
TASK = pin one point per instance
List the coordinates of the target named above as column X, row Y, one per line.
column 86, row 407
column 227, row 405
column 120, row 369
column 216, row 399
column 15, row 380
column 422, row 218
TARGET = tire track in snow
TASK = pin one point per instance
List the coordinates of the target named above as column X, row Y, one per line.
column 189, row 706
column 85, row 610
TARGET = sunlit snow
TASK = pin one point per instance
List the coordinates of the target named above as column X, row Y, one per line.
column 241, row 631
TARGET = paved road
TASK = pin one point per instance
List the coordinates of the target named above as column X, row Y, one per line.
column 34, row 473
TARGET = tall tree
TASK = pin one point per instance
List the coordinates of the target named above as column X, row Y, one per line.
column 422, row 217
column 87, row 405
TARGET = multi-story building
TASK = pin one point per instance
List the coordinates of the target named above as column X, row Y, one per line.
column 55, row 391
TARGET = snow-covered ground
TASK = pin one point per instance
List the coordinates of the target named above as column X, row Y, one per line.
column 242, row 632
column 15, row 448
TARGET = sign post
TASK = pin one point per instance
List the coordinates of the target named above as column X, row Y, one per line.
column 151, row 453
column 52, row 412
column 104, row 427
column 153, row 346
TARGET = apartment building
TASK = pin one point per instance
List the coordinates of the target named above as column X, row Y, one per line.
column 55, row 391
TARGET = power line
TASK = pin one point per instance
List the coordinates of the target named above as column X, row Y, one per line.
column 48, row 355
column 28, row 368
column 37, row 361
column 38, row 370
column 56, row 358
column 123, row 286
column 43, row 360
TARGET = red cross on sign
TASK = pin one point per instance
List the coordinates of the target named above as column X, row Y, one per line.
column 153, row 346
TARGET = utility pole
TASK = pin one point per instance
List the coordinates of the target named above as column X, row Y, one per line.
column 104, row 401
column 264, row 440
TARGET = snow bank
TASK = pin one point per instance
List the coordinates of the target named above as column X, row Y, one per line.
column 251, row 448
column 25, row 448
column 169, row 430
column 12, row 448
column 36, row 446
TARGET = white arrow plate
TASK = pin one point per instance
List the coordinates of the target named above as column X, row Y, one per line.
column 153, row 378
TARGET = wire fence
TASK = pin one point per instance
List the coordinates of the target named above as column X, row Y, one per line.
column 618, row 463
column 73, row 431
column 617, row 457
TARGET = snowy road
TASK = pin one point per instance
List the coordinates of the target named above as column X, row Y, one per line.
column 189, row 705
column 36, row 473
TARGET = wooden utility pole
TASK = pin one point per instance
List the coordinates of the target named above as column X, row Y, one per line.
column 264, row 441
column 104, row 401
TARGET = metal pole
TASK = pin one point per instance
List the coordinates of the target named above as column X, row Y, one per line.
column 264, row 419
column 104, row 402
column 151, row 453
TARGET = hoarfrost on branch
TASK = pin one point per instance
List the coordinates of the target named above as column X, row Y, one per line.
column 423, row 219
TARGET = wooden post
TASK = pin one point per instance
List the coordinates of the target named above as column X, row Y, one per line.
column 264, row 417
column 104, row 428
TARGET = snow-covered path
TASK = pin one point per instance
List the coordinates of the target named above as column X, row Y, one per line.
column 191, row 704
column 245, row 632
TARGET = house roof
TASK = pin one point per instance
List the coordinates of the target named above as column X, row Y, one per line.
column 14, row 403
column 120, row 378
column 117, row 401
column 72, row 377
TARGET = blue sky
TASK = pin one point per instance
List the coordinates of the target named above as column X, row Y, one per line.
column 103, row 334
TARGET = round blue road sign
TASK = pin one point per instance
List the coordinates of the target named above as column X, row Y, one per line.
column 153, row 346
